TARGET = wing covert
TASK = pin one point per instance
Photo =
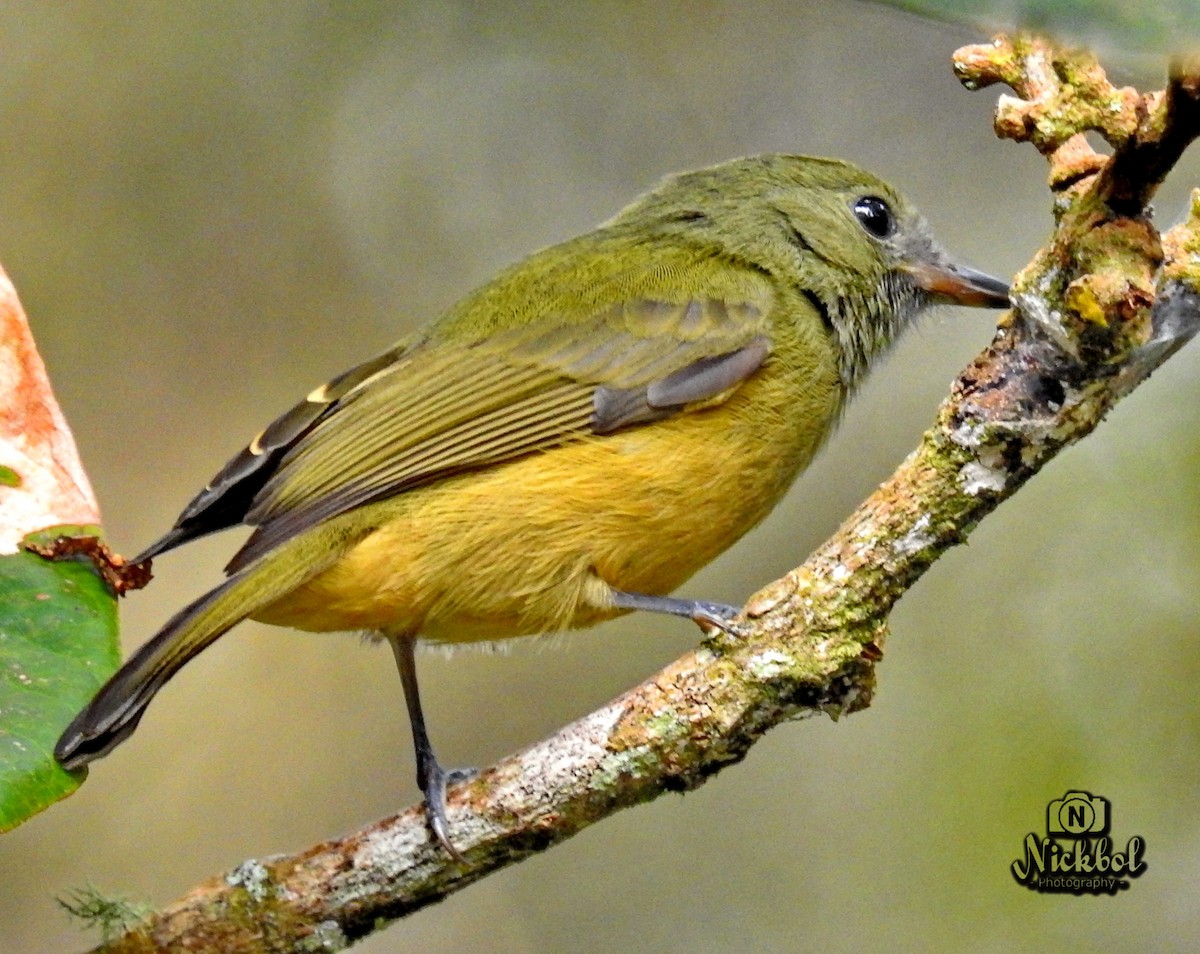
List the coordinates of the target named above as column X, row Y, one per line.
column 447, row 407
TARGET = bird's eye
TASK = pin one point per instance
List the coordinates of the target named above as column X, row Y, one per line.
column 875, row 216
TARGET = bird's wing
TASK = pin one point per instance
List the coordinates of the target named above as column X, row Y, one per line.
column 443, row 406
column 444, row 409
column 226, row 498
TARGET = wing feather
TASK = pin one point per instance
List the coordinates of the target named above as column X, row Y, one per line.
column 446, row 408
column 456, row 400
column 542, row 419
column 416, row 405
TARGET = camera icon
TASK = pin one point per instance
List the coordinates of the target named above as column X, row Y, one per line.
column 1077, row 814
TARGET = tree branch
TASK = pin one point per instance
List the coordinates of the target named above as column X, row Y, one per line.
column 1100, row 307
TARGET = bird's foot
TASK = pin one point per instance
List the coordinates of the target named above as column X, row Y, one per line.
column 707, row 616
column 722, row 616
column 433, row 784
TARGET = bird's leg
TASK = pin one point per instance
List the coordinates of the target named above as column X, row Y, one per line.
column 431, row 777
column 705, row 614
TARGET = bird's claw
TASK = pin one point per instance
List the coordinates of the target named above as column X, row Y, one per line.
column 720, row 616
column 434, row 786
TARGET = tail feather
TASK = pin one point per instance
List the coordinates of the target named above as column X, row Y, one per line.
column 114, row 712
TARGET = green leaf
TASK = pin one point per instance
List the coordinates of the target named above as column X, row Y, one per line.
column 58, row 643
column 1110, row 26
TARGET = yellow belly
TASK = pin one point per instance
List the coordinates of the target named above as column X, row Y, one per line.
column 535, row 545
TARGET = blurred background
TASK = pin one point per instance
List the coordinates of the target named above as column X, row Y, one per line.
column 210, row 208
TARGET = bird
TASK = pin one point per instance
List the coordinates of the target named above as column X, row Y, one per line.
column 568, row 443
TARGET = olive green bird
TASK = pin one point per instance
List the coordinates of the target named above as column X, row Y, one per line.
column 569, row 442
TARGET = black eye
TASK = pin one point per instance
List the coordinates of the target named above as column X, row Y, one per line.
column 875, row 215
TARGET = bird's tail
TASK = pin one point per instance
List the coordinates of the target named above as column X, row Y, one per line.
column 114, row 712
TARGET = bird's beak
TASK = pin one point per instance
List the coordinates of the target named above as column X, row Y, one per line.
column 957, row 285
